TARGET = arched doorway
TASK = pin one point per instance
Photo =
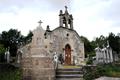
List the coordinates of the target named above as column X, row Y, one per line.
column 67, row 54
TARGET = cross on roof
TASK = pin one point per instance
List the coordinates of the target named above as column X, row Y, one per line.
column 66, row 7
column 40, row 22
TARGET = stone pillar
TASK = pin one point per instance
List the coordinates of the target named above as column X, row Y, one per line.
column 104, row 58
column 61, row 19
column 108, row 59
column 111, row 57
column 66, row 21
column 8, row 56
column 61, row 22
column 97, row 55
column 71, row 25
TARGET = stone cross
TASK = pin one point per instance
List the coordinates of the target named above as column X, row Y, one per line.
column 40, row 22
column 66, row 7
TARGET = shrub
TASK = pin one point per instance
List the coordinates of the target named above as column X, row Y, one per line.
column 89, row 61
column 2, row 51
column 9, row 72
column 92, row 72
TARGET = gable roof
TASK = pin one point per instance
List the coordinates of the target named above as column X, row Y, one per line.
column 72, row 30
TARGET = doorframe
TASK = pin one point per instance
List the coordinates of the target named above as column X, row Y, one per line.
column 68, row 45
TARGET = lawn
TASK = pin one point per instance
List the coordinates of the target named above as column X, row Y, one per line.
column 110, row 70
column 9, row 72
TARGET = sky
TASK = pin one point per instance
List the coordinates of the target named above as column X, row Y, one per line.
column 92, row 18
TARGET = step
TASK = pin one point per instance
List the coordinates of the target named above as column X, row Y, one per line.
column 69, row 72
column 69, row 66
column 69, row 69
column 69, row 76
column 69, row 79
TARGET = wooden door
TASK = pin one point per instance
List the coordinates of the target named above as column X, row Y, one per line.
column 67, row 54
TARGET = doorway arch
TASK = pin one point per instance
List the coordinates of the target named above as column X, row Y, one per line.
column 67, row 54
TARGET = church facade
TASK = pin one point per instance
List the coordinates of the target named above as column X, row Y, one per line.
column 62, row 40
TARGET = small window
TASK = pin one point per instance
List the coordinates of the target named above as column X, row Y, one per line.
column 45, row 37
column 67, row 34
column 45, row 46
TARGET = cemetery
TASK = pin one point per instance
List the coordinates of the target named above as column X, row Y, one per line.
column 58, row 54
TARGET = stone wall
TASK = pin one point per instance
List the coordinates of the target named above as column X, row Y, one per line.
column 60, row 37
column 38, row 68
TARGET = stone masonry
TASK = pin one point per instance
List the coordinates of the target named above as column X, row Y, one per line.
column 37, row 59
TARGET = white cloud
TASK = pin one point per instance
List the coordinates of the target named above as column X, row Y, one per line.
column 89, row 15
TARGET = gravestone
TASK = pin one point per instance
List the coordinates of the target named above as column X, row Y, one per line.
column 7, row 56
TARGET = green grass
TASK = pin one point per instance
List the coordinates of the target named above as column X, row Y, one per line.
column 9, row 72
column 112, row 70
column 67, row 66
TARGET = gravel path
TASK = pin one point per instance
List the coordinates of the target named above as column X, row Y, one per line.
column 107, row 78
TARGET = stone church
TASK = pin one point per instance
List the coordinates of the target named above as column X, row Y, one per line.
column 37, row 58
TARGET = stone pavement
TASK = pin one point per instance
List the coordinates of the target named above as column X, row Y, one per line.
column 70, row 79
column 107, row 78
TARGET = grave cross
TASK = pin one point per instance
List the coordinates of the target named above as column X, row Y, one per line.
column 40, row 22
column 66, row 7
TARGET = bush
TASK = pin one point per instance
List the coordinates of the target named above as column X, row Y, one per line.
column 89, row 61
column 92, row 72
column 2, row 51
column 112, row 70
column 9, row 72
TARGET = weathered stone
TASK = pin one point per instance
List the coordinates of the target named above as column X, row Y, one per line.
column 37, row 58
column 41, row 67
column 105, row 55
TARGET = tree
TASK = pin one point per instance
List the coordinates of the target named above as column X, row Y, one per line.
column 28, row 38
column 14, row 39
column 101, row 41
column 2, row 51
column 89, row 48
column 114, row 42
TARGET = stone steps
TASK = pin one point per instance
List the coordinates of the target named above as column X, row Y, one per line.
column 69, row 74
column 70, row 79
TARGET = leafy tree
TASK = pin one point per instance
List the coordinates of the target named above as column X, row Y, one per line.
column 14, row 39
column 101, row 41
column 89, row 49
column 2, row 51
column 28, row 38
column 114, row 42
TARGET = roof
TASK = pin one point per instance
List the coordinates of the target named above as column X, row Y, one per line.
column 72, row 30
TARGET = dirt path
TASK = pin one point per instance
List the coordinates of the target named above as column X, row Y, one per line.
column 107, row 78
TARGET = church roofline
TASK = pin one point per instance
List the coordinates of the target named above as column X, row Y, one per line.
column 50, row 32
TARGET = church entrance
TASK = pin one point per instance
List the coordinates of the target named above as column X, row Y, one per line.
column 67, row 54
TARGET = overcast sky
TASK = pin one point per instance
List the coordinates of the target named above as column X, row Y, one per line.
column 92, row 18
